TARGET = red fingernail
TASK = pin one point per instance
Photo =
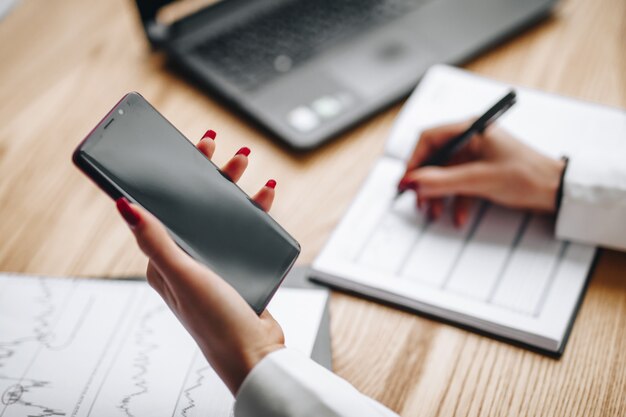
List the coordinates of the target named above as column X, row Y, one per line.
column 271, row 184
column 407, row 184
column 127, row 212
column 210, row 134
column 245, row 151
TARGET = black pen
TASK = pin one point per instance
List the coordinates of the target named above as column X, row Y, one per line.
column 443, row 154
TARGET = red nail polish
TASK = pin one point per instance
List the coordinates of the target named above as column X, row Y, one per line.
column 271, row 184
column 407, row 184
column 210, row 134
column 127, row 212
column 245, row 151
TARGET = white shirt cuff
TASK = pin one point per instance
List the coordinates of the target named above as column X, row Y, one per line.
column 287, row 383
column 593, row 206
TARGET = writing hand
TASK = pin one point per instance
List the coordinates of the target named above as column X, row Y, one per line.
column 494, row 166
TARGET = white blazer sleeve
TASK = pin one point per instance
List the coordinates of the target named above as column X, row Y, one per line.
column 593, row 206
column 288, row 384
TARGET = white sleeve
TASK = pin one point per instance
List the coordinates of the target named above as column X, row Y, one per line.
column 593, row 206
column 288, row 384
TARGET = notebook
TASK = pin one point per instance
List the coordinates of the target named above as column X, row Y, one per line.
column 504, row 273
column 93, row 347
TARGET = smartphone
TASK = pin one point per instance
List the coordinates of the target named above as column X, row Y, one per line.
column 134, row 152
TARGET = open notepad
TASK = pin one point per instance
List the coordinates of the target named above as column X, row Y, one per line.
column 504, row 273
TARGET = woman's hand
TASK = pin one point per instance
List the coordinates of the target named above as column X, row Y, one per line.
column 494, row 166
column 229, row 333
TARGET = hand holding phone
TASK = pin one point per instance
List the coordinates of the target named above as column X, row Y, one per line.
column 231, row 336
column 135, row 153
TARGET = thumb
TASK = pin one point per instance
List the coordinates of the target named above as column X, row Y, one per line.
column 153, row 239
column 471, row 179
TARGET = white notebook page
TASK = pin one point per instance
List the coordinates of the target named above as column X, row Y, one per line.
column 504, row 271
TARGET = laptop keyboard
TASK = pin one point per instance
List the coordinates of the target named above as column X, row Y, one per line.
column 281, row 38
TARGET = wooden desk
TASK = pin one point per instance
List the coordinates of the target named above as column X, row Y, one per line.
column 64, row 63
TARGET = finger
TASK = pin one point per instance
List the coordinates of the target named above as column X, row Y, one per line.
column 207, row 143
column 265, row 197
column 408, row 183
column 420, row 201
column 435, row 208
column 266, row 315
column 471, row 179
column 235, row 168
column 154, row 240
column 432, row 139
column 461, row 210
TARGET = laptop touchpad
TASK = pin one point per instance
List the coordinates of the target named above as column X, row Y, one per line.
column 374, row 67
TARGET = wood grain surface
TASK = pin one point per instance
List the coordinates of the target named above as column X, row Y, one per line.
column 64, row 63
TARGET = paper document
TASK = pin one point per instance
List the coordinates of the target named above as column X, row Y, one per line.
column 503, row 272
column 79, row 347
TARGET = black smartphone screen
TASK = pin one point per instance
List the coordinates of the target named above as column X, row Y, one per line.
column 140, row 154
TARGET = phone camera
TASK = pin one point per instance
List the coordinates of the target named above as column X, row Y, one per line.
column 120, row 112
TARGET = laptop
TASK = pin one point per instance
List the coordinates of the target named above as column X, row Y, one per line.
column 306, row 70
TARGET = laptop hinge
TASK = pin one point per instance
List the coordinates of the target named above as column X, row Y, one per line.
column 157, row 33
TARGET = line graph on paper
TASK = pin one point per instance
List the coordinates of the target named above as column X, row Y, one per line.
column 95, row 348
column 102, row 348
column 195, row 399
column 46, row 308
column 17, row 393
column 142, row 361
